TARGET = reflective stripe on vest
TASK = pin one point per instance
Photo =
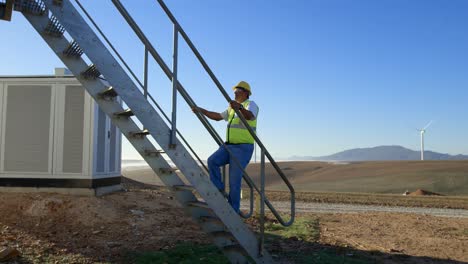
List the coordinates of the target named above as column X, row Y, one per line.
column 236, row 132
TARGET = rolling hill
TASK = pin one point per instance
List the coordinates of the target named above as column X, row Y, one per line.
column 381, row 153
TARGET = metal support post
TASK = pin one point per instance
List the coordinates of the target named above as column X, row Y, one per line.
column 145, row 76
column 174, row 89
column 262, row 202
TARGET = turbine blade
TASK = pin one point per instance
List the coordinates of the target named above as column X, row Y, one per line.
column 427, row 125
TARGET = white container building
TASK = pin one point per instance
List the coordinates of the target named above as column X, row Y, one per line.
column 54, row 137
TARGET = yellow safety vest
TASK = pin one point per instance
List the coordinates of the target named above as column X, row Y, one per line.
column 236, row 132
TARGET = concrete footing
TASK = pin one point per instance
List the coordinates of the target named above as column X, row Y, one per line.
column 99, row 191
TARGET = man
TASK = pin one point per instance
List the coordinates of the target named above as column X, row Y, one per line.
column 238, row 140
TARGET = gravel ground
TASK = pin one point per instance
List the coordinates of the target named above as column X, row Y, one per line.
column 302, row 207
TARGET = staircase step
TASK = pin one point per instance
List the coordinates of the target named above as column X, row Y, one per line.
column 166, row 170
column 212, row 219
column 54, row 28
column 183, row 188
column 198, row 204
column 153, row 153
column 108, row 93
column 91, row 72
column 73, row 50
column 139, row 134
column 31, row 7
column 211, row 223
column 124, row 113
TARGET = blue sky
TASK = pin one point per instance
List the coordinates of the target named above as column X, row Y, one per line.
column 327, row 75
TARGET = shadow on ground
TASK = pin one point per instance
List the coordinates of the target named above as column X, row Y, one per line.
column 292, row 250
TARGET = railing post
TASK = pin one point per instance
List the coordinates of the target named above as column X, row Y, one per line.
column 262, row 202
column 174, row 89
column 145, row 76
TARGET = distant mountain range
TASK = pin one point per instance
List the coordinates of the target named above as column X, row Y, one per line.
column 382, row 153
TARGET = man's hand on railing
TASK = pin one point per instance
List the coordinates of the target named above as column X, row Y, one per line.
column 211, row 115
column 196, row 109
column 246, row 113
column 235, row 105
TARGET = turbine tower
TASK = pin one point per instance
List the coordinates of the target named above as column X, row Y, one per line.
column 422, row 131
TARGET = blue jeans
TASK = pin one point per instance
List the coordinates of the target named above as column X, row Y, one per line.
column 241, row 152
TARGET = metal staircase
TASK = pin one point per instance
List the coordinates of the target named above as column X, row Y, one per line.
column 106, row 80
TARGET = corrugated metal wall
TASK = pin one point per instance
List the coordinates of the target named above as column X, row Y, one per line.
column 73, row 129
column 28, row 128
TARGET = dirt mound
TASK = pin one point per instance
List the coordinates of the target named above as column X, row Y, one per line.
column 423, row 192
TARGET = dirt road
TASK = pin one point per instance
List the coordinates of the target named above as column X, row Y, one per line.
column 302, row 207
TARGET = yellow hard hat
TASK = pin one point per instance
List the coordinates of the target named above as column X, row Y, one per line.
column 243, row 85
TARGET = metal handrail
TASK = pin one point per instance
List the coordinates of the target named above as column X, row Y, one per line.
column 244, row 121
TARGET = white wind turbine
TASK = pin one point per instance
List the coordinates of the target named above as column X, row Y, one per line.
column 422, row 131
